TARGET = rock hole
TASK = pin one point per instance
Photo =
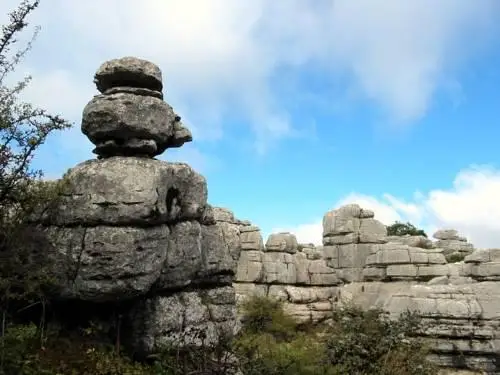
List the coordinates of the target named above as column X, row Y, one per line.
column 172, row 200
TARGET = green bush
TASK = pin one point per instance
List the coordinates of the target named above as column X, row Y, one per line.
column 402, row 229
column 26, row 350
column 354, row 342
column 270, row 343
column 455, row 257
column 368, row 342
column 266, row 315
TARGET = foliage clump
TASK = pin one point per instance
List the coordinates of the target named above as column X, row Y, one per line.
column 270, row 342
column 403, row 229
column 455, row 257
column 354, row 342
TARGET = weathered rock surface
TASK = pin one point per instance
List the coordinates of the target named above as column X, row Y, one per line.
column 295, row 274
column 130, row 191
column 130, row 118
column 129, row 72
column 198, row 317
column 454, row 246
column 138, row 232
column 360, row 263
column 413, row 241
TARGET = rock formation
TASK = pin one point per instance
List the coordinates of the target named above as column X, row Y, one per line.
column 283, row 269
column 358, row 262
column 136, row 232
column 130, row 228
column 454, row 246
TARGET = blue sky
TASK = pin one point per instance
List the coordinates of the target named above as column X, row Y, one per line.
column 297, row 107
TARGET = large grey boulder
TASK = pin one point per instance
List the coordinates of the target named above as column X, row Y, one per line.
column 284, row 242
column 190, row 318
column 128, row 72
column 130, row 118
column 107, row 263
column 129, row 191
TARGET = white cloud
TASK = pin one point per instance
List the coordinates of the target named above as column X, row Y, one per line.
column 471, row 206
column 219, row 56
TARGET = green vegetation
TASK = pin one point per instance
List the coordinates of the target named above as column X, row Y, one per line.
column 23, row 194
column 270, row 343
column 402, row 229
column 455, row 257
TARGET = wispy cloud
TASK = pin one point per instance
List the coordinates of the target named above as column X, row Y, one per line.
column 218, row 56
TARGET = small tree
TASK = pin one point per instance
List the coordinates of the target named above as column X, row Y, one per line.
column 402, row 229
column 23, row 128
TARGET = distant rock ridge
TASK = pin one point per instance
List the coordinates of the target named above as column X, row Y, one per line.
column 358, row 262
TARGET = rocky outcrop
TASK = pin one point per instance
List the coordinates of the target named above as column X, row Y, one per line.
column 130, row 118
column 350, row 235
column 359, row 263
column 136, row 232
column 295, row 274
column 132, row 228
column 455, row 247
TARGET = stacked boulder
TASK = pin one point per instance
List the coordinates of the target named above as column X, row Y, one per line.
column 413, row 241
column 483, row 265
column 455, row 247
column 350, row 235
column 295, row 274
column 130, row 228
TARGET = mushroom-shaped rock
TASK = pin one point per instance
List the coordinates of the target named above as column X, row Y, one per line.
column 128, row 72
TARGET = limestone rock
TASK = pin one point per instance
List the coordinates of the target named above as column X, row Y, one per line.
column 312, row 252
column 447, row 234
column 182, row 319
column 285, row 242
column 130, row 72
column 130, row 118
column 350, row 224
column 454, row 246
column 129, row 191
column 251, row 239
column 413, row 241
column 107, row 263
column 138, row 232
column 129, row 124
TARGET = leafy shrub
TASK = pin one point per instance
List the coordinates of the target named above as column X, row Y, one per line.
column 355, row 342
column 402, row 229
column 28, row 351
column 266, row 315
column 271, row 342
column 368, row 342
column 455, row 257
column 23, row 128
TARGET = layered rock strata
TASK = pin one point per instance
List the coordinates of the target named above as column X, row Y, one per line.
column 359, row 263
column 293, row 273
column 132, row 228
column 454, row 246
